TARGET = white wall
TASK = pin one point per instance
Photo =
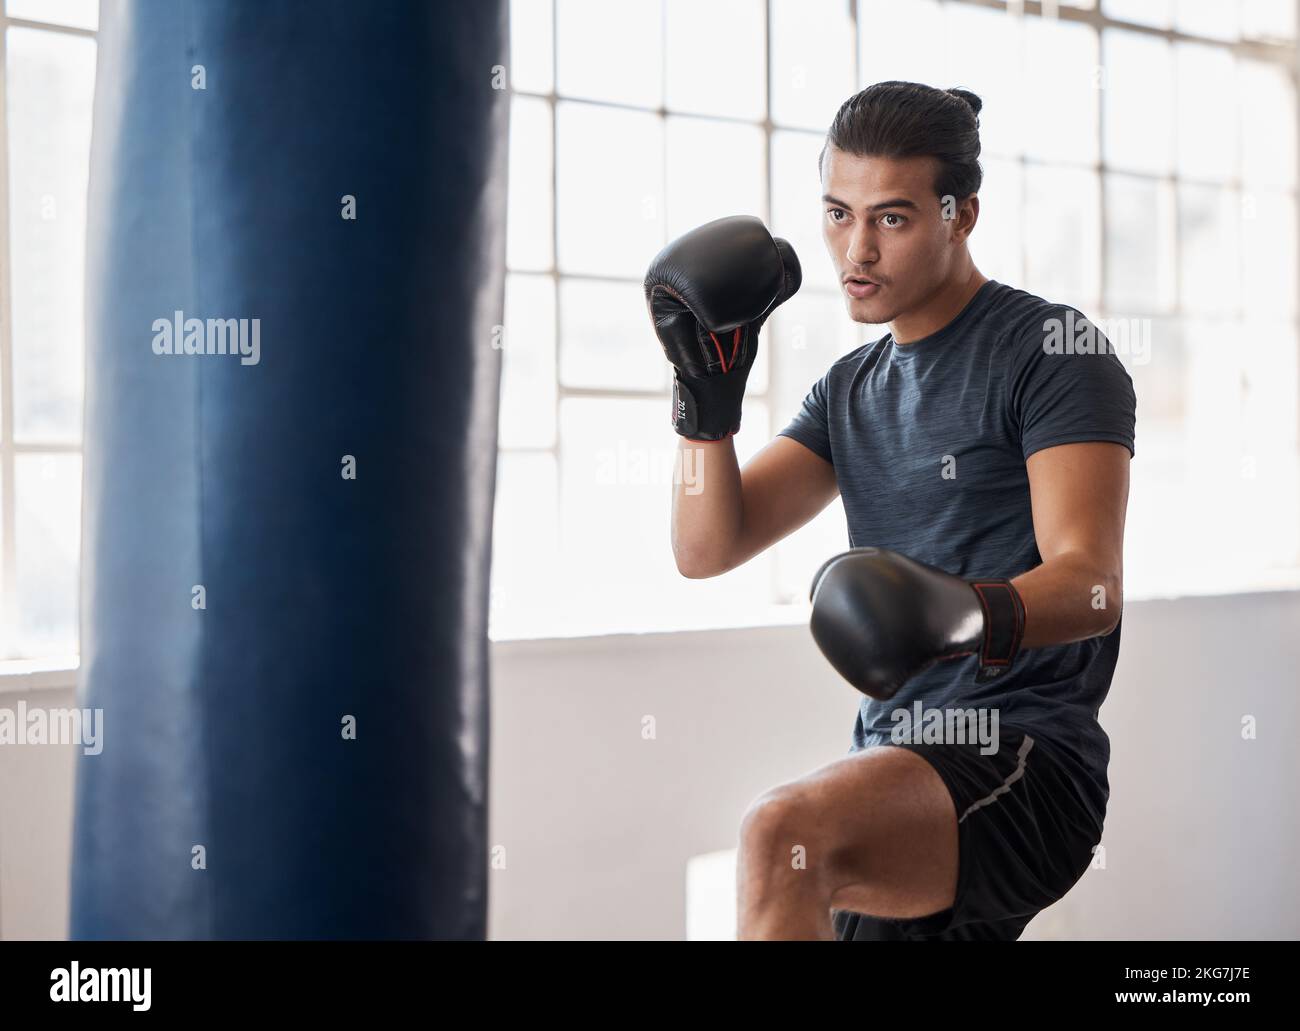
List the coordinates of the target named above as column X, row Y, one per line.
column 1202, row 835
column 597, row 821
column 35, row 826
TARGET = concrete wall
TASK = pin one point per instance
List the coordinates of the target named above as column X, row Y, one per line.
column 616, row 759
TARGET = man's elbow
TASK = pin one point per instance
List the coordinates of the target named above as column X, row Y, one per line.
column 695, row 565
column 1108, row 600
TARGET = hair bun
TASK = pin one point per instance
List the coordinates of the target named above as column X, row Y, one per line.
column 970, row 98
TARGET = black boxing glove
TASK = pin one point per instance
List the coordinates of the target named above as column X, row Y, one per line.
column 881, row 618
column 709, row 292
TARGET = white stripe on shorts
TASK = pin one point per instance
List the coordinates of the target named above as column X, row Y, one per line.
column 1005, row 786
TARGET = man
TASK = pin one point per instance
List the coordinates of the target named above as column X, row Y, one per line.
column 985, row 438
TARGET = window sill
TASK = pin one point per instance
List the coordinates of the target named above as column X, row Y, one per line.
column 57, row 673
column 580, row 626
column 570, row 626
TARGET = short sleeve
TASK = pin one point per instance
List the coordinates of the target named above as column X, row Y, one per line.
column 811, row 425
column 1067, row 386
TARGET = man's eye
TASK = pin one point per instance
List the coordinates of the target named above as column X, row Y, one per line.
column 834, row 213
column 892, row 225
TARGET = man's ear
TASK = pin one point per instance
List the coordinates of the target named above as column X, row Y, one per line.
column 968, row 213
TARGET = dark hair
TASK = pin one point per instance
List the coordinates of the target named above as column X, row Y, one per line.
column 908, row 119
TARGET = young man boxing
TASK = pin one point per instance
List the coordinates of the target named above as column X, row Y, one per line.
column 981, row 448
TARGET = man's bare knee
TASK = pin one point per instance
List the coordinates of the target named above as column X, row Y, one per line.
column 774, row 818
column 782, row 830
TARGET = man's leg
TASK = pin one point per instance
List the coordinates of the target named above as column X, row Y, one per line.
column 875, row 832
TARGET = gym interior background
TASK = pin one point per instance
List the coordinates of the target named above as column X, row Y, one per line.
column 1140, row 163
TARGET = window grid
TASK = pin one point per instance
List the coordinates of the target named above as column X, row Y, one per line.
column 9, row 448
column 1281, row 54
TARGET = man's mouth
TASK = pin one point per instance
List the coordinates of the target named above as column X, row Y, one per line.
column 859, row 287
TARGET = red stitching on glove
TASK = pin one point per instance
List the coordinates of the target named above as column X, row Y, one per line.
column 721, row 357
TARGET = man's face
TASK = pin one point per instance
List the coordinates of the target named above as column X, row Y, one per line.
column 886, row 232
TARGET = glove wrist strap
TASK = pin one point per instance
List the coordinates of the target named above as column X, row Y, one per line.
column 1004, row 627
column 708, row 407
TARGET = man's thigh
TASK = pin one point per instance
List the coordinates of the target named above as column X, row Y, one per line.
column 1026, row 831
column 884, row 825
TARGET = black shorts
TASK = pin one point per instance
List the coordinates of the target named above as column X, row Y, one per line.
column 1025, row 835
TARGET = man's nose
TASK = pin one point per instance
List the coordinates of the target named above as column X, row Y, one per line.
column 862, row 248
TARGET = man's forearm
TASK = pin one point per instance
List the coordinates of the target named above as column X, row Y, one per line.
column 1069, row 598
column 708, row 506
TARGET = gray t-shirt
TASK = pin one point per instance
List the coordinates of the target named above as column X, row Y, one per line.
column 929, row 442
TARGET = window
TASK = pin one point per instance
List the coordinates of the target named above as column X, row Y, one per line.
column 1140, row 163
column 47, row 53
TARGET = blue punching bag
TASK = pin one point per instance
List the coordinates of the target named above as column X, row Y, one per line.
column 295, row 268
